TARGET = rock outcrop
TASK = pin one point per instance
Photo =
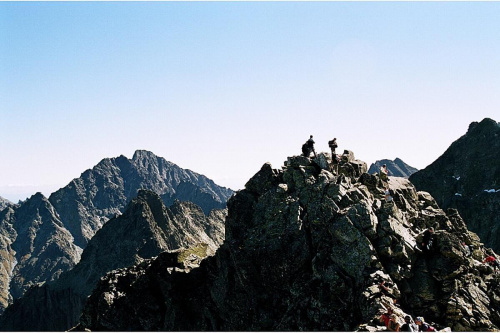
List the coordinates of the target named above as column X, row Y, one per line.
column 100, row 193
column 307, row 249
column 396, row 168
column 146, row 229
column 4, row 203
column 34, row 247
column 467, row 177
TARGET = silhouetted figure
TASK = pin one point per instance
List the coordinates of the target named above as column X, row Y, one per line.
column 427, row 241
column 308, row 147
column 333, row 144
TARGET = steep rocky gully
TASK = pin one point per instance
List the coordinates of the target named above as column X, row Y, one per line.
column 306, row 249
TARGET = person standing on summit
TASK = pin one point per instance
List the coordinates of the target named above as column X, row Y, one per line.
column 333, row 144
column 308, row 147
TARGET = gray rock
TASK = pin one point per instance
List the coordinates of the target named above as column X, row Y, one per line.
column 311, row 257
column 4, row 203
column 146, row 229
column 40, row 238
column 467, row 178
column 34, row 247
column 99, row 194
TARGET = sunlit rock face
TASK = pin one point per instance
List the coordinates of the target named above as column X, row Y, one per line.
column 100, row 193
column 467, row 177
column 306, row 248
column 4, row 203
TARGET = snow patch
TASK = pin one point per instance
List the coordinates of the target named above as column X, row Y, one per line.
column 491, row 191
column 458, row 194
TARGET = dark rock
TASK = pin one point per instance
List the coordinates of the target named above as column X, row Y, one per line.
column 467, row 177
column 34, row 247
column 102, row 192
column 307, row 249
column 39, row 227
column 145, row 229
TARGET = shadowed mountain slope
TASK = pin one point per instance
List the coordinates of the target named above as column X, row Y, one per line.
column 34, row 247
column 146, row 229
column 40, row 238
column 467, row 177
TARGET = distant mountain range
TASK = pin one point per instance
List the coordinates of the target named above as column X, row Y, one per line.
column 146, row 229
column 396, row 168
column 100, row 193
column 467, row 177
column 41, row 238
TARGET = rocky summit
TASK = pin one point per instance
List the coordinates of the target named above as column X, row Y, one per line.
column 396, row 168
column 146, row 229
column 467, row 177
column 311, row 247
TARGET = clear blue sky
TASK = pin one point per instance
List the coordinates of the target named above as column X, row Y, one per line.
column 223, row 87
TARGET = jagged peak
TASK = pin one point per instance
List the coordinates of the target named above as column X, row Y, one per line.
column 141, row 154
column 37, row 197
column 484, row 125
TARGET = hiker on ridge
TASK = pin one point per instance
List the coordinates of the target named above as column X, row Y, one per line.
column 409, row 325
column 393, row 324
column 492, row 261
column 333, row 144
column 427, row 240
column 384, row 173
column 308, row 147
column 423, row 326
column 386, row 317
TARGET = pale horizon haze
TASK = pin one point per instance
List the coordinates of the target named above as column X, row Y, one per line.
column 221, row 88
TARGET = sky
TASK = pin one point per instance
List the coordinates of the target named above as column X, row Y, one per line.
column 221, row 88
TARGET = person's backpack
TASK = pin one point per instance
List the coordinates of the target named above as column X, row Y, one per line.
column 429, row 245
column 305, row 149
column 331, row 144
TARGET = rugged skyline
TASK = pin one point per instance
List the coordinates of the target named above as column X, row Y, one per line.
column 222, row 88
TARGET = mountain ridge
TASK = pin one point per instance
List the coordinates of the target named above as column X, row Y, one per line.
column 81, row 208
column 467, row 176
column 396, row 168
column 146, row 229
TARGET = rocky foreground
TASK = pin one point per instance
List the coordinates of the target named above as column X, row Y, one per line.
column 307, row 249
